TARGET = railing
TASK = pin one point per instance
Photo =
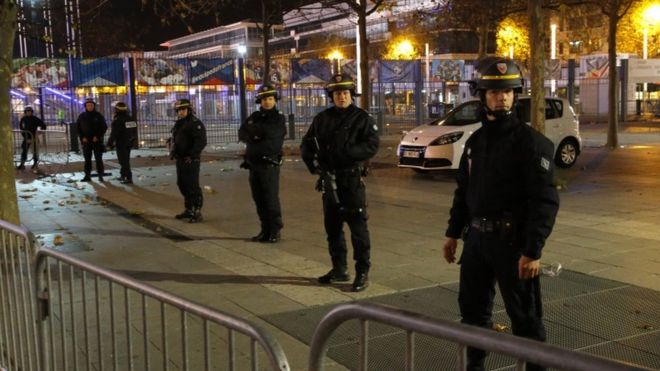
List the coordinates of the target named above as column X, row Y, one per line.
column 49, row 147
column 82, row 327
column 19, row 346
column 524, row 350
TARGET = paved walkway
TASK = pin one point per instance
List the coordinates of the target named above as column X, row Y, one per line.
column 607, row 227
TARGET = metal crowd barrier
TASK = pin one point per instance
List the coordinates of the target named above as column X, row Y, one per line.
column 51, row 146
column 95, row 319
column 19, row 345
column 524, row 350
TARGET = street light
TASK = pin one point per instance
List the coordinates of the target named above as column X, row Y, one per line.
column 241, row 82
column 336, row 56
column 650, row 18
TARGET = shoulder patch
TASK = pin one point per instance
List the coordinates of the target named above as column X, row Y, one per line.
column 131, row 124
column 199, row 127
column 545, row 163
column 375, row 127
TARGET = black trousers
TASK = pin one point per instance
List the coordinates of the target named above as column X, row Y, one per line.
column 486, row 259
column 27, row 141
column 97, row 150
column 124, row 158
column 352, row 210
column 265, row 187
column 187, row 178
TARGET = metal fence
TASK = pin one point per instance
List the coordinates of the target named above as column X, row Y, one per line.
column 524, row 350
column 49, row 147
column 19, row 345
column 95, row 319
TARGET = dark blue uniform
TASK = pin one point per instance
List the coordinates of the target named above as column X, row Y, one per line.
column 264, row 133
column 346, row 137
column 504, row 206
column 188, row 140
column 123, row 135
column 91, row 124
column 30, row 124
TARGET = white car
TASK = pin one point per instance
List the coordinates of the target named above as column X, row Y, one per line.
column 439, row 145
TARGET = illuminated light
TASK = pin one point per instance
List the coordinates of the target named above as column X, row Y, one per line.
column 242, row 49
column 17, row 94
column 335, row 54
column 405, row 47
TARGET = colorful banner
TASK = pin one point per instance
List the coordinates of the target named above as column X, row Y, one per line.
column 447, row 70
column 279, row 71
column 211, row 71
column 40, row 72
column 97, row 72
column 350, row 67
column 594, row 67
column 161, row 71
column 311, row 71
column 399, row 71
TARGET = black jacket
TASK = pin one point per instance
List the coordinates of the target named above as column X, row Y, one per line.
column 188, row 137
column 507, row 169
column 91, row 124
column 346, row 138
column 123, row 131
column 264, row 133
column 31, row 124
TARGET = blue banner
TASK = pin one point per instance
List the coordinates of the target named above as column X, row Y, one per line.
column 40, row 72
column 98, row 72
column 349, row 66
column 161, row 71
column 399, row 71
column 311, row 71
column 447, row 70
column 211, row 71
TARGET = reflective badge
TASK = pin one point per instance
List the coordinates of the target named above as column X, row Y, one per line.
column 545, row 163
column 199, row 127
column 131, row 124
column 375, row 127
column 501, row 67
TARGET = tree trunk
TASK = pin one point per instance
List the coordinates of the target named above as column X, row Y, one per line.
column 612, row 132
column 537, row 58
column 364, row 56
column 8, row 201
column 483, row 40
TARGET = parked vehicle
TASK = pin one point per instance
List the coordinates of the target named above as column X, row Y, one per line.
column 439, row 144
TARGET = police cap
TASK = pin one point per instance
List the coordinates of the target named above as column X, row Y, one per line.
column 182, row 103
column 340, row 82
column 497, row 73
column 266, row 91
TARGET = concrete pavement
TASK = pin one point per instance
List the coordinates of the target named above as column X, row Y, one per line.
column 607, row 227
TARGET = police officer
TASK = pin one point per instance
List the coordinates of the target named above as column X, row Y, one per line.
column 91, row 129
column 264, row 133
column 29, row 125
column 504, row 208
column 124, row 137
column 336, row 145
column 186, row 144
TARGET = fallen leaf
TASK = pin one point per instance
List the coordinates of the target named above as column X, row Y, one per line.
column 58, row 240
column 500, row 327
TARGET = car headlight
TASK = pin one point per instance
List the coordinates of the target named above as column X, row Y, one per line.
column 447, row 139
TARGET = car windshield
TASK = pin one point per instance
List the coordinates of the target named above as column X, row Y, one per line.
column 466, row 114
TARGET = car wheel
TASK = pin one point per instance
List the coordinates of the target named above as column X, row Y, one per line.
column 567, row 153
column 421, row 171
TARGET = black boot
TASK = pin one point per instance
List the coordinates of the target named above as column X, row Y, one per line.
column 21, row 166
column 336, row 274
column 274, row 237
column 186, row 214
column 196, row 216
column 261, row 237
column 87, row 178
column 361, row 281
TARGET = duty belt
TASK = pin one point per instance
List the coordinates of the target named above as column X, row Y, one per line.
column 485, row 224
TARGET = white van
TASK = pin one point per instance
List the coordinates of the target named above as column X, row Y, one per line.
column 439, row 144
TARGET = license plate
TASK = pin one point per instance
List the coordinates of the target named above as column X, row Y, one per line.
column 414, row 154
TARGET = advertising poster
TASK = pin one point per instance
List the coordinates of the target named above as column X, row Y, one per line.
column 399, row 71
column 160, row 71
column 40, row 72
column 311, row 71
column 211, row 71
column 97, row 72
column 447, row 70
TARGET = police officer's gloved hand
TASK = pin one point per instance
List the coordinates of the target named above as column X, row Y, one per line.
column 187, row 160
column 244, row 165
column 365, row 171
